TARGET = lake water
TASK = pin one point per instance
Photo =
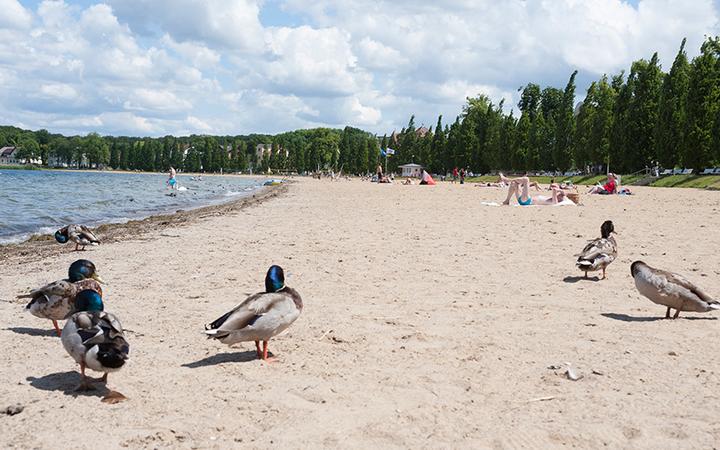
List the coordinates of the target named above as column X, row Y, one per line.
column 39, row 201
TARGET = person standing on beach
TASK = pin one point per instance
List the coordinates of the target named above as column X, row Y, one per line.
column 455, row 174
column 462, row 176
column 379, row 173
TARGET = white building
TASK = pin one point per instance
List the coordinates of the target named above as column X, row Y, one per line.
column 8, row 155
column 411, row 170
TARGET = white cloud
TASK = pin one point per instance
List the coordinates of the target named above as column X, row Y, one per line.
column 155, row 100
column 364, row 115
column 59, row 91
column 314, row 62
column 192, row 66
column 228, row 24
column 14, row 16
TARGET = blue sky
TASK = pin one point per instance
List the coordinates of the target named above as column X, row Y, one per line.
column 156, row 67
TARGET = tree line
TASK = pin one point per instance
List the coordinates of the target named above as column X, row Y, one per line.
column 351, row 150
column 630, row 122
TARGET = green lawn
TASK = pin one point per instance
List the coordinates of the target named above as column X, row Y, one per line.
column 580, row 179
column 22, row 167
column 690, row 181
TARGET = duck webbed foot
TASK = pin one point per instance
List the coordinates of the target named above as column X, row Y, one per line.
column 265, row 356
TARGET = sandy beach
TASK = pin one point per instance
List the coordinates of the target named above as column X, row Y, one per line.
column 430, row 321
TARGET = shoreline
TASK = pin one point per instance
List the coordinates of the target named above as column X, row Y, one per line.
column 40, row 246
column 142, row 172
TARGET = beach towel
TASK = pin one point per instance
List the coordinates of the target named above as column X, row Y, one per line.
column 565, row 202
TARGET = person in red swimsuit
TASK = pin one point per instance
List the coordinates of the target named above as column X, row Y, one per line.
column 608, row 188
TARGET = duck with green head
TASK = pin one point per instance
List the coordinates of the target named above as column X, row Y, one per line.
column 54, row 301
column 94, row 338
column 600, row 252
column 261, row 316
column 79, row 234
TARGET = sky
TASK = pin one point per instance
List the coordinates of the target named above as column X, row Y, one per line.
column 231, row 67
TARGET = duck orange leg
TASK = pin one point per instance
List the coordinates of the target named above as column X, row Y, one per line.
column 57, row 328
column 265, row 353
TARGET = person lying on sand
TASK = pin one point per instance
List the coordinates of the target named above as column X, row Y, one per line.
column 506, row 181
column 520, row 188
column 564, row 186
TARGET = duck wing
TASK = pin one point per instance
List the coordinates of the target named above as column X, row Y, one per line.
column 102, row 329
column 597, row 248
column 81, row 234
column 674, row 280
column 89, row 235
column 53, row 301
column 58, row 288
column 246, row 313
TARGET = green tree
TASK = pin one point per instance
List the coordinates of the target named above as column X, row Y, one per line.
column 565, row 127
column 643, row 112
column 703, row 107
column 670, row 129
column 439, row 143
column 28, row 148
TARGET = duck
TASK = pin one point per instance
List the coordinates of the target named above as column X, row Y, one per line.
column 79, row 234
column 54, row 301
column 671, row 290
column 94, row 338
column 600, row 252
column 261, row 316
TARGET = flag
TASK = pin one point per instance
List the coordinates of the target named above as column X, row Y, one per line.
column 390, row 151
column 382, row 153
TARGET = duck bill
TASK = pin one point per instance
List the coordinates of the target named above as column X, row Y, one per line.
column 95, row 276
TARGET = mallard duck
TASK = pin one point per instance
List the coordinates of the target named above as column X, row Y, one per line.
column 671, row 290
column 79, row 234
column 94, row 338
column 261, row 316
column 600, row 252
column 54, row 301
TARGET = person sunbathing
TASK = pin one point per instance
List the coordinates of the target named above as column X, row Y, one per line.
column 520, row 189
column 506, row 181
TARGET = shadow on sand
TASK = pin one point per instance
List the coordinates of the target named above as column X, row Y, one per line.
column 32, row 331
column 224, row 358
column 580, row 278
column 626, row 318
column 66, row 382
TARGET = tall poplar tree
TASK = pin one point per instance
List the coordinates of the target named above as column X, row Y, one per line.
column 703, row 107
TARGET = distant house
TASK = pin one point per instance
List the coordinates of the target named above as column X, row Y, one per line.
column 422, row 131
column 265, row 151
column 8, row 155
column 56, row 161
column 262, row 150
column 411, row 170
